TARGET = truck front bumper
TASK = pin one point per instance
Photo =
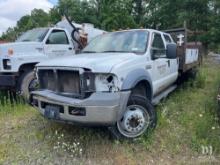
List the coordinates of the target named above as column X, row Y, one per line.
column 7, row 81
column 98, row 109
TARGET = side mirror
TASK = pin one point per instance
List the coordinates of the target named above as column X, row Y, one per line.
column 171, row 51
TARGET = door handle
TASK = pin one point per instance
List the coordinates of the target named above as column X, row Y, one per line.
column 70, row 48
column 168, row 61
column 148, row 67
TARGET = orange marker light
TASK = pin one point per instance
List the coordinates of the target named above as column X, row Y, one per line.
column 10, row 52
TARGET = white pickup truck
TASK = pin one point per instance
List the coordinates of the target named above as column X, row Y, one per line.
column 114, row 82
column 18, row 59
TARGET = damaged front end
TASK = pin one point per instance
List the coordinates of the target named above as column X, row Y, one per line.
column 78, row 95
column 77, row 82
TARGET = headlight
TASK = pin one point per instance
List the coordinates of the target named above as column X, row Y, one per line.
column 106, row 83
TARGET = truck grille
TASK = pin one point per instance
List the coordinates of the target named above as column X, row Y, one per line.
column 65, row 82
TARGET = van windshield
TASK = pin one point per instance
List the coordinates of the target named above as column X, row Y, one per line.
column 34, row 35
column 125, row 41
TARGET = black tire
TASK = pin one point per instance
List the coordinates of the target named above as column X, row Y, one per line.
column 192, row 73
column 25, row 84
column 145, row 105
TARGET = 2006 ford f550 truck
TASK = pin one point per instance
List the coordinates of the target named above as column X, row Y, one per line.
column 114, row 82
column 18, row 59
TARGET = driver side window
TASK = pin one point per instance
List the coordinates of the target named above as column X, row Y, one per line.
column 158, row 48
column 57, row 37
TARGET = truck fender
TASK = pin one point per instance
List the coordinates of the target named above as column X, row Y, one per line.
column 27, row 67
column 134, row 77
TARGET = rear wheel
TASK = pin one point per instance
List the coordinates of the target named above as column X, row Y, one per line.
column 27, row 84
column 192, row 73
column 138, row 118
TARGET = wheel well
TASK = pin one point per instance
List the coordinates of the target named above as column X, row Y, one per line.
column 143, row 88
column 26, row 67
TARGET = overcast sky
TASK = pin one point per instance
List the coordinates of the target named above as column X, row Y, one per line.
column 12, row 10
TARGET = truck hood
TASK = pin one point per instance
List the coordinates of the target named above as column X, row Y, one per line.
column 21, row 48
column 97, row 62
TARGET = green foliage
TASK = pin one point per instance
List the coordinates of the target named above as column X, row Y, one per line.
column 108, row 15
column 54, row 15
column 200, row 80
column 38, row 18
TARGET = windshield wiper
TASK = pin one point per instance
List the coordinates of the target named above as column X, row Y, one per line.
column 88, row 52
column 115, row 51
column 25, row 40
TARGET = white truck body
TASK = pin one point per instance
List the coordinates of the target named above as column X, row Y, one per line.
column 114, row 78
column 33, row 52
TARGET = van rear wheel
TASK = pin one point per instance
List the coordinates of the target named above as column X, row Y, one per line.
column 138, row 118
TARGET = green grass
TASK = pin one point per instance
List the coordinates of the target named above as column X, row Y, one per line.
column 187, row 120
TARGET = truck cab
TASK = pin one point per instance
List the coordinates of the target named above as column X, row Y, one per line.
column 114, row 82
column 17, row 60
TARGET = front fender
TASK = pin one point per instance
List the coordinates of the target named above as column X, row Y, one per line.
column 134, row 77
column 17, row 61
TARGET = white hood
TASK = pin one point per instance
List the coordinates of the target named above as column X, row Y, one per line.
column 97, row 62
column 20, row 48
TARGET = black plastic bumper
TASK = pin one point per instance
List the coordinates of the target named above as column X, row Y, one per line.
column 7, row 81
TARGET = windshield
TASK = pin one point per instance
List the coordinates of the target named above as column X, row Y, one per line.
column 126, row 41
column 34, row 35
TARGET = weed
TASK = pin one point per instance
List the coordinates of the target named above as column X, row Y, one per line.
column 73, row 148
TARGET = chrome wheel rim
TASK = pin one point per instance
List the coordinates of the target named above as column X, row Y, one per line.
column 134, row 122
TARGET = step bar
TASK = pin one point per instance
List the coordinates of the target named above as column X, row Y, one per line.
column 164, row 94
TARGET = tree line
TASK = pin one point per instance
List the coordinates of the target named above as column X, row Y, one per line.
column 202, row 16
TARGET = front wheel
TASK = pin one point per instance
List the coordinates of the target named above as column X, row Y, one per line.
column 138, row 117
column 28, row 83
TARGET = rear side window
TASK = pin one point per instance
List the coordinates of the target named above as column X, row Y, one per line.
column 167, row 38
column 58, row 37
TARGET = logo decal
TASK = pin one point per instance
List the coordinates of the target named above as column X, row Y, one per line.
column 162, row 69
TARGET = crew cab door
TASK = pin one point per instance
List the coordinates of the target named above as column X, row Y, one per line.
column 173, row 63
column 58, row 44
column 161, row 64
